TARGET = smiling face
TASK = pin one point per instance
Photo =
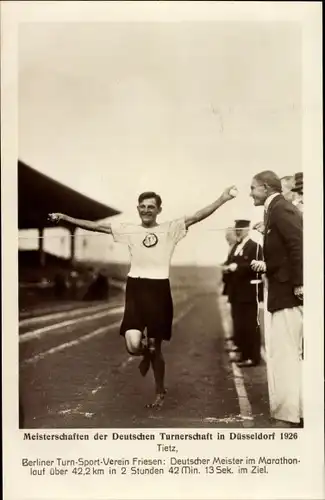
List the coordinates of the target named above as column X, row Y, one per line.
column 148, row 211
column 259, row 192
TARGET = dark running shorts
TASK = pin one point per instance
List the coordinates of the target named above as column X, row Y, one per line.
column 148, row 304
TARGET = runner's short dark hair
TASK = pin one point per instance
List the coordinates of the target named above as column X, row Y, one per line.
column 150, row 194
column 271, row 179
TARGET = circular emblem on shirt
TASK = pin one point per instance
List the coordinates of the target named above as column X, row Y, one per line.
column 150, row 240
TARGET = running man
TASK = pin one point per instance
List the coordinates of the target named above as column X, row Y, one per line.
column 148, row 300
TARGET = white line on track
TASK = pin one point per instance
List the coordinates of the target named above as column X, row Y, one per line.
column 25, row 337
column 75, row 312
column 85, row 338
column 72, row 343
column 90, row 336
column 183, row 313
column 244, row 404
column 128, row 361
column 63, row 314
column 36, row 334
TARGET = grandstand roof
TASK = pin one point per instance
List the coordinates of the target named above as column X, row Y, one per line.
column 39, row 195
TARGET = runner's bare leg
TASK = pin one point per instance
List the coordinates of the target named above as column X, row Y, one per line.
column 135, row 346
column 133, row 342
column 158, row 366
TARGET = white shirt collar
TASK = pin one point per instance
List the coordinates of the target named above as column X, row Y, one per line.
column 241, row 245
column 269, row 199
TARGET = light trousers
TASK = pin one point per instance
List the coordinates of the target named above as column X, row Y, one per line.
column 284, row 356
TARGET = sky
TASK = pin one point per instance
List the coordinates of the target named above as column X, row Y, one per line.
column 183, row 108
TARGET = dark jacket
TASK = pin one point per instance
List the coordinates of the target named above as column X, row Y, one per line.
column 226, row 276
column 283, row 253
column 238, row 284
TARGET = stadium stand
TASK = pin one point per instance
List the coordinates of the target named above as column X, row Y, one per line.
column 47, row 278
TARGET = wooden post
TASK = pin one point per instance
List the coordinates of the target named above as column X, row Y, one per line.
column 72, row 244
column 41, row 247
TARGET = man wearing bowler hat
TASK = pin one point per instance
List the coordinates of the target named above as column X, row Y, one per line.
column 244, row 292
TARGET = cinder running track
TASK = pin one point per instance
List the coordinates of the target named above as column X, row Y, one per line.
column 75, row 372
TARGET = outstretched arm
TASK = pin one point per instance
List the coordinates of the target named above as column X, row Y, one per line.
column 202, row 214
column 84, row 224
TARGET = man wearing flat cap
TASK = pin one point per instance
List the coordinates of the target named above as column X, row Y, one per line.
column 244, row 294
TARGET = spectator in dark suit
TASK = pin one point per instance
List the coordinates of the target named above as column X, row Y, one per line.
column 239, row 279
column 283, row 255
column 231, row 240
